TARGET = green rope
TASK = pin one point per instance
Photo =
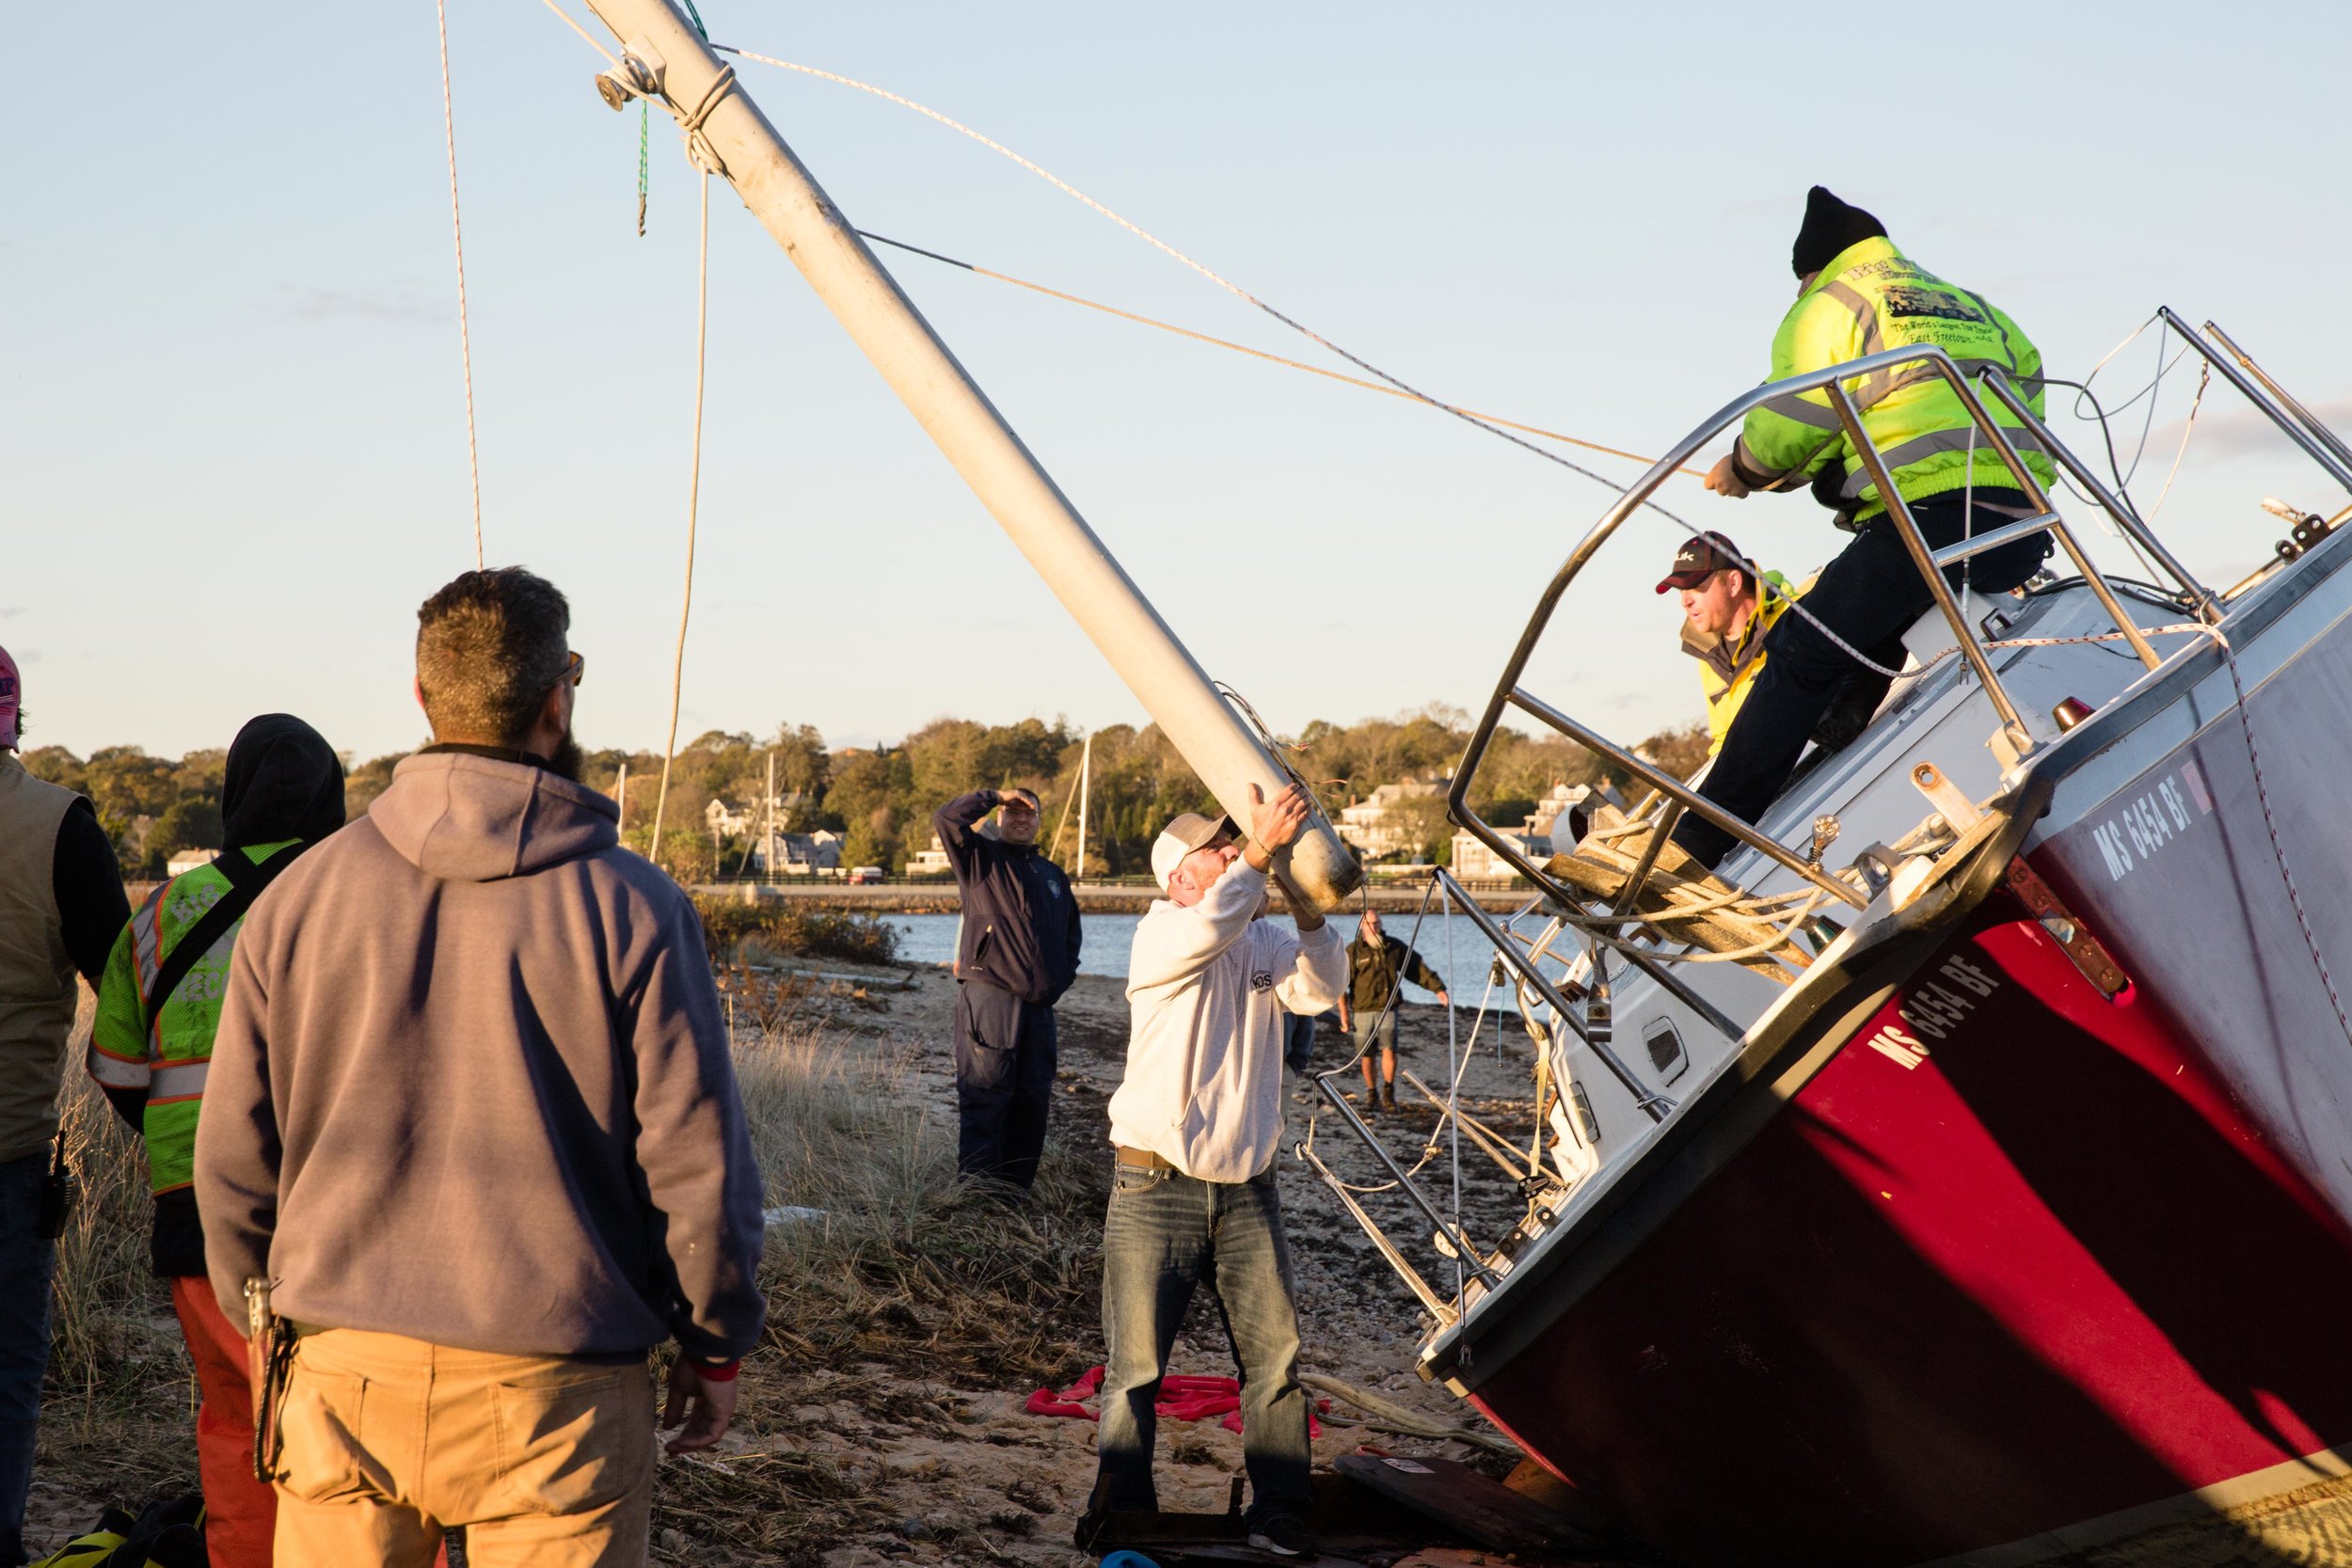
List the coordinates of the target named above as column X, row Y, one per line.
column 644, row 135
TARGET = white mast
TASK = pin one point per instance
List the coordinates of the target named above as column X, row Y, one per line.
column 1086, row 772
column 665, row 57
column 767, row 850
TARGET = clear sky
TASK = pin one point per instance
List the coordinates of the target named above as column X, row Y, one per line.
column 235, row 433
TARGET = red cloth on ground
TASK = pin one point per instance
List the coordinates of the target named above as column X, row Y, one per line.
column 240, row 1513
column 1183, row 1397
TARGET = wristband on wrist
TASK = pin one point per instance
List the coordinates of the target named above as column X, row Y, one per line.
column 723, row 1372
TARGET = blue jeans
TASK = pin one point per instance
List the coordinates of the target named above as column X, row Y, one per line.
column 1298, row 1042
column 26, row 1263
column 1167, row 1232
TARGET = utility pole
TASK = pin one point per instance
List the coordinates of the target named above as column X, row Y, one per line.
column 767, row 850
column 623, row 802
column 665, row 57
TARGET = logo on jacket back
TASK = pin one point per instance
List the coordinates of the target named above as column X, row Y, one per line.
column 1903, row 300
column 1262, row 980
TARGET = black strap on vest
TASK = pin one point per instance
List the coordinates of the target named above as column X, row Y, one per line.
column 245, row 883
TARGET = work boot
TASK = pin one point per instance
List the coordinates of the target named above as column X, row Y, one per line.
column 1388, row 1094
column 1371, row 1103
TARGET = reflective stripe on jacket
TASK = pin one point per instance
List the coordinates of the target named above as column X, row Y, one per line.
column 168, row 1061
column 1870, row 297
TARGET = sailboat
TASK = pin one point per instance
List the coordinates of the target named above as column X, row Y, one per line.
column 1972, row 1180
column 1985, row 1191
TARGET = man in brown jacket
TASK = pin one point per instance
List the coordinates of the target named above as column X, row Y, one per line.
column 472, row 1108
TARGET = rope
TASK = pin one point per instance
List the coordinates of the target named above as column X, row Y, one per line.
column 1403, row 388
column 644, row 166
column 457, row 234
column 694, row 507
column 2270, row 826
column 1259, row 353
column 2188, row 428
column 586, row 37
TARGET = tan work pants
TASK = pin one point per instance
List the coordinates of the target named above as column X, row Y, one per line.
column 388, row 1441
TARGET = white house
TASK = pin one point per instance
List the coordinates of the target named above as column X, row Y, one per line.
column 188, row 861
column 929, row 863
column 1542, row 836
column 1475, row 862
column 1375, row 826
column 799, row 854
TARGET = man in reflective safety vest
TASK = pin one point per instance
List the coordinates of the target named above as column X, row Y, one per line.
column 1726, row 610
column 150, row 1046
column 1858, row 294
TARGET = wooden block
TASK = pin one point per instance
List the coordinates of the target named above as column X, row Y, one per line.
column 1477, row 1507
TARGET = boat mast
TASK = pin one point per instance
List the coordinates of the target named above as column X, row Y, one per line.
column 1086, row 772
column 768, row 848
column 665, row 57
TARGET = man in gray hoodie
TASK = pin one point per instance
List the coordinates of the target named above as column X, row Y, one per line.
column 472, row 1109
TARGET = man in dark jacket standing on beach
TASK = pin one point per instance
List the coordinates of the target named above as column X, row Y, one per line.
column 1018, row 953
column 60, row 905
column 472, row 1109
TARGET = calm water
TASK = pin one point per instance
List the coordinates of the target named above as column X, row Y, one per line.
column 930, row 938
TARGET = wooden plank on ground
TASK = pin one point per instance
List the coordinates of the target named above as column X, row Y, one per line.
column 1476, row 1506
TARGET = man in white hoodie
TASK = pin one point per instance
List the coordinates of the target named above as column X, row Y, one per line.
column 1197, row 1124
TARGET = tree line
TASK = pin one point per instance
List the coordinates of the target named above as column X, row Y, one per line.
column 881, row 799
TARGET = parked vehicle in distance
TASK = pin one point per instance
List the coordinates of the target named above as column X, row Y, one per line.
column 860, row 874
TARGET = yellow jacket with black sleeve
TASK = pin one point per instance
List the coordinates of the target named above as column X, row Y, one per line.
column 1870, row 296
column 1728, row 667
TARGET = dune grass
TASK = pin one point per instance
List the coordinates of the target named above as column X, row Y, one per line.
column 118, row 1413
column 907, row 1283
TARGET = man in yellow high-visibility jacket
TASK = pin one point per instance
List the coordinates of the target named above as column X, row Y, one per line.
column 1858, row 294
column 1726, row 609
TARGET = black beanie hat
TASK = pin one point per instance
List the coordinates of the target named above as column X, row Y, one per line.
column 281, row 781
column 1830, row 225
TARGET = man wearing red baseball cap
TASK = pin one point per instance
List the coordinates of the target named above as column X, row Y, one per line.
column 1727, row 609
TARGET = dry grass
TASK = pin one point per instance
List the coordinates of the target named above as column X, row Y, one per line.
column 116, row 1414
column 909, row 1280
column 908, row 1261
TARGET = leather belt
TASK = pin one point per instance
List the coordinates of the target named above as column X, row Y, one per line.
column 1142, row 1158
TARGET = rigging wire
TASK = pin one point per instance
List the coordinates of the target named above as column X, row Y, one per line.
column 1257, row 353
column 2188, row 428
column 1404, row 387
column 694, row 507
column 457, row 234
column 2270, row 826
column 1230, row 287
column 586, row 37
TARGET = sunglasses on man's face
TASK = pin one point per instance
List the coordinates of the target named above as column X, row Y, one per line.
column 575, row 670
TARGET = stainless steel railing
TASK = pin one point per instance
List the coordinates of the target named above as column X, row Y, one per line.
column 2000, row 443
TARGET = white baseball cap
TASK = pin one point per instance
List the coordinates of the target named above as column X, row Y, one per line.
column 1181, row 837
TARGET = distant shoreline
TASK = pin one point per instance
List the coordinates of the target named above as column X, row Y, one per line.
column 939, row 897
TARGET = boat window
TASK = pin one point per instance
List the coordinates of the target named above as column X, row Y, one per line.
column 1665, row 1049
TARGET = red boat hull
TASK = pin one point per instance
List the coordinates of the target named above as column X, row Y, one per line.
column 2009, row 1259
